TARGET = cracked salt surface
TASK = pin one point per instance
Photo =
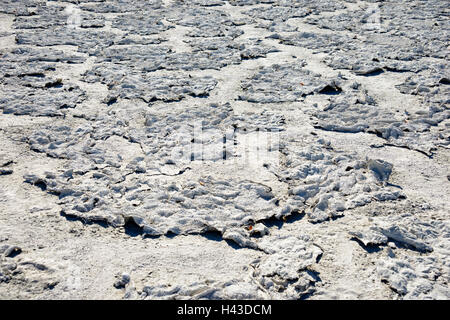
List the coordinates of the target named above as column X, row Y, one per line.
column 212, row 149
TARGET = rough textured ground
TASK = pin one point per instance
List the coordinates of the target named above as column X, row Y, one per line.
column 237, row 149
